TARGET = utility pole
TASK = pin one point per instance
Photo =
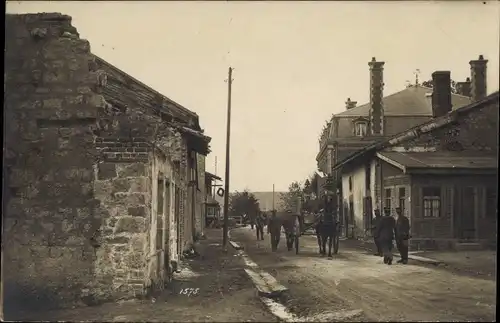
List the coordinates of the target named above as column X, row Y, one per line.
column 226, row 179
column 215, row 180
column 273, row 197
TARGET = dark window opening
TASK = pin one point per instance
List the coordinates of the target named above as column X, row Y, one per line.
column 388, row 198
column 159, row 215
column 350, row 183
column 367, row 177
column 402, row 199
column 491, row 203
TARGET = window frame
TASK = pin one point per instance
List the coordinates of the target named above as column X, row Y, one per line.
column 388, row 198
column 432, row 202
column 358, row 126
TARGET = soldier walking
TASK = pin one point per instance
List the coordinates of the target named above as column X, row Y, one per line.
column 402, row 235
column 385, row 234
column 259, row 225
column 375, row 224
column 274, row 228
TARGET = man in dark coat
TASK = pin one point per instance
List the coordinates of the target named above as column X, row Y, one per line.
column 385, row 234
column 259, row 225
column 402, row 235
column 375, row 224
column 274, row 228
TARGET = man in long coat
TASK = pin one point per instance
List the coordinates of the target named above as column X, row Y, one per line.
column 385, row 233
column 259, row 226
column 402, row 235
column 274, row 228
column 375, row 224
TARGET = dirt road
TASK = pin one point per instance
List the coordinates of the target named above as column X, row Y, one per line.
column 357, row 280
column 220, row 289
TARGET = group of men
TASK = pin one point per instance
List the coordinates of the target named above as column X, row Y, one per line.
column 288, row 222
column 385, row 229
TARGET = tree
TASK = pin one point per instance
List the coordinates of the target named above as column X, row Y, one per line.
column 290, row 198
column 453, row 84
column 243, row 203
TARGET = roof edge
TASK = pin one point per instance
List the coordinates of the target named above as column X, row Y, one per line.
column 416, row 131
column 168, row 100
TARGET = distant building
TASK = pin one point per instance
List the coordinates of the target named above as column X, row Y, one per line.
column 362, row 125
column 442, row 173
column 212, row 206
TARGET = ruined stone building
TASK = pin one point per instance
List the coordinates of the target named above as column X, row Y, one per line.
column 104, row 177
column 361, row 125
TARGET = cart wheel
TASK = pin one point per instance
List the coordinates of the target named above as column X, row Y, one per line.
column 336, row 244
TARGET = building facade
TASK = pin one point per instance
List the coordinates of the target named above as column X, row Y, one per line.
column 102, row 173
column 360, row 126
column 442, row 174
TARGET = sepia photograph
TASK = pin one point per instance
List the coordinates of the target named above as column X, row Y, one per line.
column 250, row 161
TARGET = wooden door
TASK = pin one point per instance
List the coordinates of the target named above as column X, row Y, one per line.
column 464, row 213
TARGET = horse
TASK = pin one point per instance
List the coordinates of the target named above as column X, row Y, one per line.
column 289, row 223
column 291, row 226
column 327, row 231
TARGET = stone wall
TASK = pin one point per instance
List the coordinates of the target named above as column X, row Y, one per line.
column 51, row 105
column 83, row 146
column 123, row 186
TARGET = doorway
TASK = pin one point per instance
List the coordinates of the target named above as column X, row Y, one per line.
column 464, row 213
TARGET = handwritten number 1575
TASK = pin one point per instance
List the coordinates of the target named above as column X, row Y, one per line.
column 189, row 291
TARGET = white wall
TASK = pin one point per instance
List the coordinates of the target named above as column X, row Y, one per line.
column 358, row 192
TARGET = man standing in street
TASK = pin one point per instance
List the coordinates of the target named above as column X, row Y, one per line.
column 375, row 224
column 402, row 235
column 385, row 234
column 274, row 228
column 259, row 225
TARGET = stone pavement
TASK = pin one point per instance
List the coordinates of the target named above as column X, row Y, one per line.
column 220, row 292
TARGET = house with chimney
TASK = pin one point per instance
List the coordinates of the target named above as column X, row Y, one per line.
column 102, row 173
column 360, row 126
column 442, row 173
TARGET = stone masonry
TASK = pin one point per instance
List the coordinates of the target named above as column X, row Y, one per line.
column 85, row 145
column 51, row 104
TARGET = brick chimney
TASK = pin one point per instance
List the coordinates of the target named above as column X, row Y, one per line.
column 350, row 104
column 463, row 88
column 376, row 95
column 441, row 93
column 478, row 78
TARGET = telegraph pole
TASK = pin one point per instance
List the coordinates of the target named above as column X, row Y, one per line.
column 226, row 179
column 273, row 197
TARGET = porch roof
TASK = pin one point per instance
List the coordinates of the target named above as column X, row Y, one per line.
column 446, row 160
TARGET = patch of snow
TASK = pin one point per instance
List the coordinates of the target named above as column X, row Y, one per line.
column 279, row 310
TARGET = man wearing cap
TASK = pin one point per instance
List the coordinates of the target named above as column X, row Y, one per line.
column 402, row 235
column 274, row 228
column 375, row 224
column 259, row 225
column 385, row 234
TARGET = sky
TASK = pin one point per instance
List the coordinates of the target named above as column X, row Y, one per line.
column 295, row 64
